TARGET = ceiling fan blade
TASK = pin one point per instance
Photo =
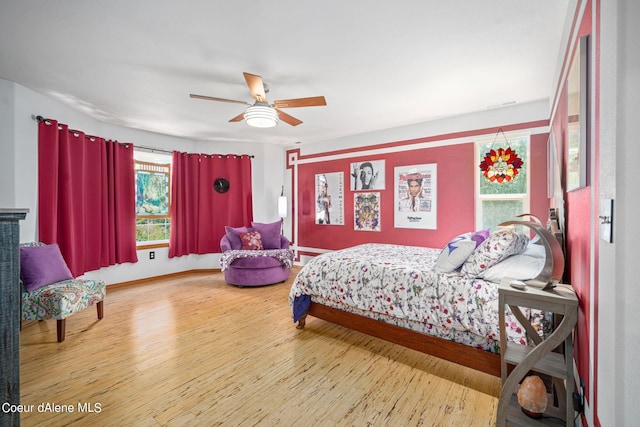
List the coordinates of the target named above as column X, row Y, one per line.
column 238, row 118
column 211, row 98
column 256, row 87
column 288, row 118
column 314, row 101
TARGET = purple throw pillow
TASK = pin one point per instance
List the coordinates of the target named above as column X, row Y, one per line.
column 480, row 236
column 233, row 234
column 270, row 234
column 41, row 266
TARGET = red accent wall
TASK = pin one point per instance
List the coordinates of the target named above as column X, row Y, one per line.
column 578, row 204
column 456, row 166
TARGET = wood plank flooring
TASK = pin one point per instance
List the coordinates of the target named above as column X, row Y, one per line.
column 192, row 350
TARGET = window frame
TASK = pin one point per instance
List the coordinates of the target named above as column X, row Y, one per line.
column 499, row 141
column 155, row 167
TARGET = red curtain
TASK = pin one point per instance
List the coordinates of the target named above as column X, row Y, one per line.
column 86, row 197
column 198, row 212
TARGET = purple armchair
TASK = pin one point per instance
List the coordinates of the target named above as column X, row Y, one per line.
column 255, row 267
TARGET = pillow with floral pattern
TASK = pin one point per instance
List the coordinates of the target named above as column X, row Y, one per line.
column 501, row 244
column 251, row 241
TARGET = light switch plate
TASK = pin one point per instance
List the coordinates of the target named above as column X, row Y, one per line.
column 605, row 218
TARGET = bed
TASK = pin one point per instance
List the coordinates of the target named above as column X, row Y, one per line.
column 443, row 302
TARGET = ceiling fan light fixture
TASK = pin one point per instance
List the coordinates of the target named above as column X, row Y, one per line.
column 261, row 116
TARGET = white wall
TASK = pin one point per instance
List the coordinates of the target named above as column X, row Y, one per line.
column 609, row 286
column 618, row 317
column 19, row 162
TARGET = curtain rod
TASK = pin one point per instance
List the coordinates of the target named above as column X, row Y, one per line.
column 154, row 150
column 151, row 149
column 138, row 147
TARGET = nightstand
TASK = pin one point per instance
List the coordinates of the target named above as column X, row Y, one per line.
column 538, row 357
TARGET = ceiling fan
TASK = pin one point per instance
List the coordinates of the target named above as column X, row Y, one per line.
column 261, row 113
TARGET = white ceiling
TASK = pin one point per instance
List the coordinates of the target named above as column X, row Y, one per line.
column 379, row 64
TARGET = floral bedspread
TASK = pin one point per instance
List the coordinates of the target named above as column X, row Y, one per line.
column 285, row 256
column 397, row 284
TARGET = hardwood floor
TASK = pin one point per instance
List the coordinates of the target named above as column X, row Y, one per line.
column 193, row 350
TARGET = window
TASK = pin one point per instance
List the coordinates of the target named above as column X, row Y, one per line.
column 498, row 202
column 153, row 178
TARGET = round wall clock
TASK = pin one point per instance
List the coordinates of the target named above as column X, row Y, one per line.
column 221, row 185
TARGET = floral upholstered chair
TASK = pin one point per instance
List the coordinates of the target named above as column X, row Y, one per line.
column 49, row 291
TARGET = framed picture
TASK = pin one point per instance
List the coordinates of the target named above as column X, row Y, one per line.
column 554, row 174
column 366, row 211
column 577, row 117
column 552, row 160
column 416, row 196
column 330, row 198
column 368, row 175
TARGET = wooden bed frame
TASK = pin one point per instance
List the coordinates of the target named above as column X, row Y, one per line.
column 471, row 357
column 460, row 354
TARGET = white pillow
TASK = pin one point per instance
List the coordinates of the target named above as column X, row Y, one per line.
column 535, row 250
column 521, row 267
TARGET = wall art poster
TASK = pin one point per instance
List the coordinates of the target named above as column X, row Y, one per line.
column 578, row 120
column 366, row 211
column 330, row 198
column 416, row 196
column 368, row 175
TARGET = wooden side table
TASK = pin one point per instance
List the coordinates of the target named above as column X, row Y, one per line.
column 539, row 357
